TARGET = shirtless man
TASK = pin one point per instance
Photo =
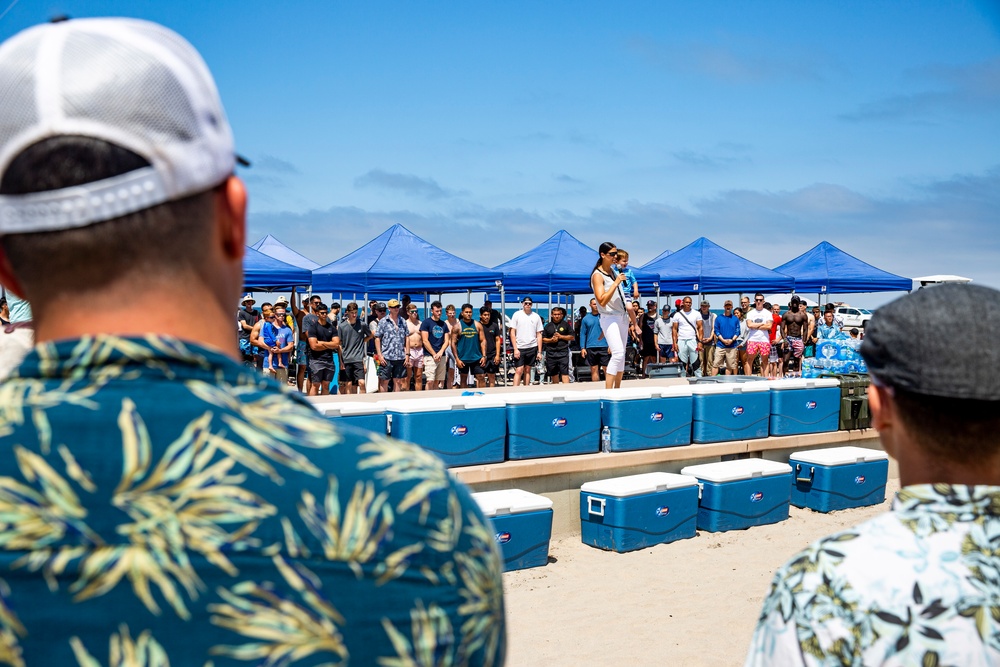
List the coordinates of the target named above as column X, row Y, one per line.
column 414, row 349
column 795, row 325
column 451, row 375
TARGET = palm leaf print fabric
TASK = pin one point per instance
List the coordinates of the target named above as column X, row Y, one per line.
column 917, row 586
column 162, row 505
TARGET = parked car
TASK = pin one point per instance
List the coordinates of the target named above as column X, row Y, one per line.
column 853, row 317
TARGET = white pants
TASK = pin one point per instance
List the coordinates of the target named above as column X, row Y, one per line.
column 615, row 328
column 687, row 353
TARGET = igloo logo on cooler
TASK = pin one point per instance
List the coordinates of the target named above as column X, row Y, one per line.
column 459, row 430
column 559, row 422
column 860, row 479
column 503, row 538
column 756, row 496
column 810, row 405
column 738, row 410
column 656, row 417
column 662, row 511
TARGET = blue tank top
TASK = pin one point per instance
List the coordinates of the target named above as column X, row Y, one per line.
column 467, row 345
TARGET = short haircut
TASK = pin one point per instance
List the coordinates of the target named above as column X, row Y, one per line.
column 436, row 304
column 335, row 306
column 484, row 310
column 758, row 295
column 169, row 239
column 352, row 307
column 266, row 304
column 767, row 306
column 622, row 254
column 466, row 305
column 959, row 430
column 321, row 307
column 560, row 309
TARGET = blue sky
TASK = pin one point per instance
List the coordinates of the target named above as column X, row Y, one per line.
column 487, row 126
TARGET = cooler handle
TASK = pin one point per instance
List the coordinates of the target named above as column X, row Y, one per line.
column 595, row 506
column 809, row 479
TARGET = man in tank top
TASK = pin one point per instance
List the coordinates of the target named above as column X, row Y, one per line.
column 469, row 347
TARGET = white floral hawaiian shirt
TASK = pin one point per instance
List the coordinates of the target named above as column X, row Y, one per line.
column 916, row 586
column 162, row 505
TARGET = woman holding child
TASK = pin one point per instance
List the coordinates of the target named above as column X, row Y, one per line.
column 607, row 286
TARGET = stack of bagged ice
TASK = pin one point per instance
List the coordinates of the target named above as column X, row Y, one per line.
column 835, row 355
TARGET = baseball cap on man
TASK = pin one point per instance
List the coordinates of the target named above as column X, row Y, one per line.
column 910, row 343
column 128, row 82
column 393, row 303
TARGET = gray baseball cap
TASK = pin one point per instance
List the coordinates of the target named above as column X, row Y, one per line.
column 911, row 343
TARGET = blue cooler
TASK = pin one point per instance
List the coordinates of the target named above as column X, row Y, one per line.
column 743, row 493
column 638, row 511
column 462, row 430
column 730, row 411
column 522, row 526
column 550, row 423
column 839, row 478
column 647, row 418
column 804, row 405
column 366, row 416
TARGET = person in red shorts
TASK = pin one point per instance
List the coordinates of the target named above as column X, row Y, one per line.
column 759, row 323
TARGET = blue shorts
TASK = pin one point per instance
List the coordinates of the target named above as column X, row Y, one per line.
column 300, row 352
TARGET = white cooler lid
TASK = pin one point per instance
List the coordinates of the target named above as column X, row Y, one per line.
column 350, row 408
column 441, row 404
column 804, row 383
column 510, row 501
column 637, row 393
column 730, row 471
column 838, row 456
column 634, row 485
column 543, row 397
column 730, row 387
column 484, row 401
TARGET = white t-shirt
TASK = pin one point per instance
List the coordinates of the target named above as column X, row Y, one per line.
column 664, row 331
column 527, row 327
column 686, row 325
column 759, row 317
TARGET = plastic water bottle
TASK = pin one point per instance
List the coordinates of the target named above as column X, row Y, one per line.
column 606, row 439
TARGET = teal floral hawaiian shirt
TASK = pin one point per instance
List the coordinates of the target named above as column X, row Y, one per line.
column 162, row 505
column 917, row 586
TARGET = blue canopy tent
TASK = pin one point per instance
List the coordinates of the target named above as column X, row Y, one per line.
column 559, row 265
column 272, row 247
column 704, row 267
column 826, row 269
column 399, row 260
column 261, row 272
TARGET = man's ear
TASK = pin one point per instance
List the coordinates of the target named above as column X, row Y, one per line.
column 884, row 416
column 231, row 204
column 7, row 277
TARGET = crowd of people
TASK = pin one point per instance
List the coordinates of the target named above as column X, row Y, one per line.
column 335, row 352
column 757, row 338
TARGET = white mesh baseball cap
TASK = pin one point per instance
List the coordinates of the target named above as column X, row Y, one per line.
column 131, row 83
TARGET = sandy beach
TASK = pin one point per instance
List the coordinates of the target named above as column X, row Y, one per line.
column 691, row 602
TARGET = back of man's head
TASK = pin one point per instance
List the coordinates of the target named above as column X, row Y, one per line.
column 946, row 388
column 112, row 141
